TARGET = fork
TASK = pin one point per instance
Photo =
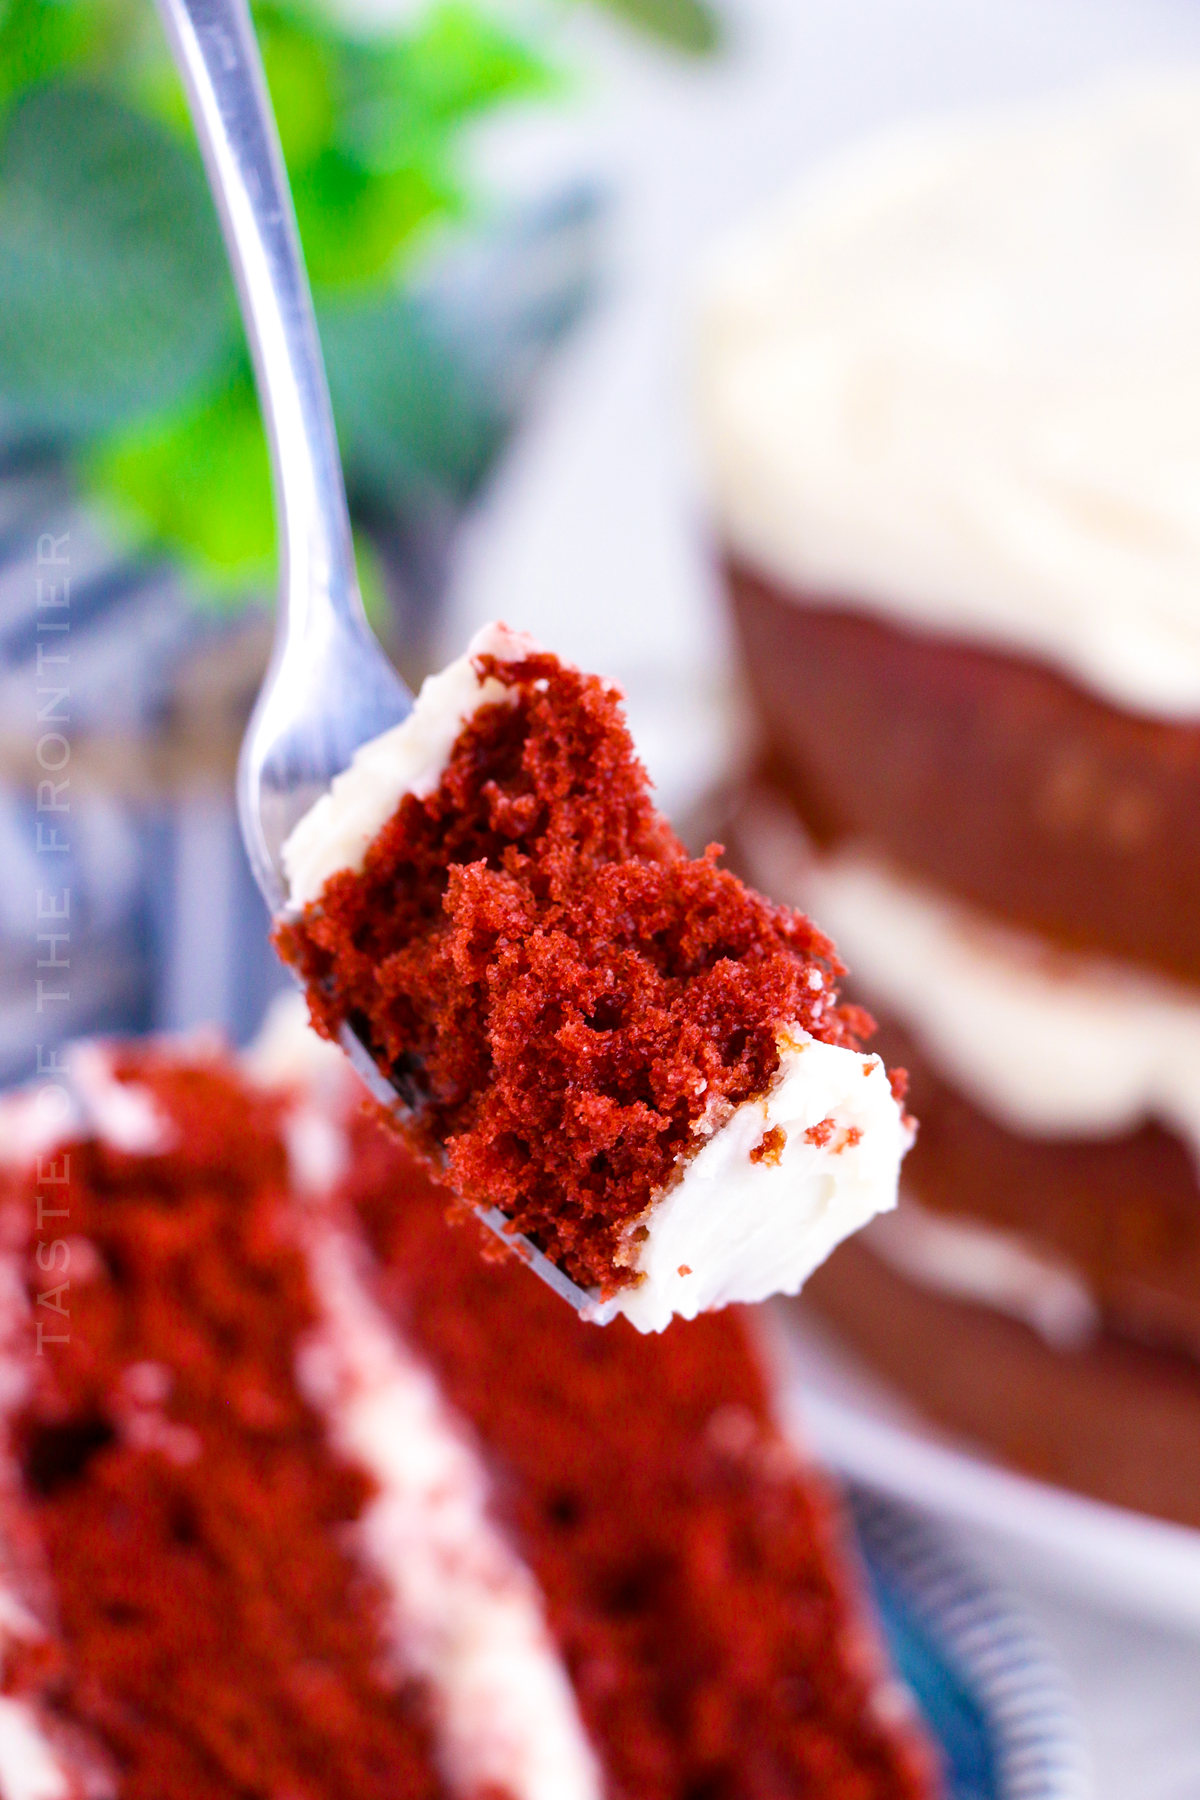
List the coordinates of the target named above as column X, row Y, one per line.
column 329, row 687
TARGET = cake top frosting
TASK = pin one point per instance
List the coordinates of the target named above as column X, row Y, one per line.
column 955, row 379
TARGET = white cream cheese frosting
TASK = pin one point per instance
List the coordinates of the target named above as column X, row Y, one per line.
column 776, row 1187
column 409, row 759
column 29, row 1767
column 1050, row 1043
column 466, row 1614
column 998, row 1269
column 80, row 1097
column 955, row 380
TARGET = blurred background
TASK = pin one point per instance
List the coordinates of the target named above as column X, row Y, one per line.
column 503, row 208
column 504, row 205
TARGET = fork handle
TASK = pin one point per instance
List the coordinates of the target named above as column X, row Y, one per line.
column 217, row 55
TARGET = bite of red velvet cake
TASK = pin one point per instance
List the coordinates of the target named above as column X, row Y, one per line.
column 301, row 1497
column 641, row 1062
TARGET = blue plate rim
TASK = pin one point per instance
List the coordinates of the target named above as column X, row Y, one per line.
column 986, row 1636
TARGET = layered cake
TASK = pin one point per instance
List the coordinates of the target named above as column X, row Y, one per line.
column 643, row 1066
column 951, row 400
column 302, row 1497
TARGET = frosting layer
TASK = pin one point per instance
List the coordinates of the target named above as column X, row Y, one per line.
column 776, row 1187
column 999, row 1269
column 1049, row 1042
column 466, row 1614
column 956, row 379
column 409, row 759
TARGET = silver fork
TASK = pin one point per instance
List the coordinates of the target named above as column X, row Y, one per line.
column 329, row 687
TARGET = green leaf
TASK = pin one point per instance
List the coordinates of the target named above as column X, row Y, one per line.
column 200, row 482
column 301, row 71
column 114, row 292
column 455, row 64
column 690, row 25
column 353, row 222
column 39, row 38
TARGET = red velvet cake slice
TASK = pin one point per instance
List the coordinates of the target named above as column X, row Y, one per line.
column 639, row 1061
column 301, row 1497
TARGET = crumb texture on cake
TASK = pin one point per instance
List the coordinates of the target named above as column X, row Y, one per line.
column 408, row 759
column 215, row 1635
column 682, row 1548
column 317, row 1502
column 569, row 1003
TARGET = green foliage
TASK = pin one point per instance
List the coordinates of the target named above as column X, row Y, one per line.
column 413, row 427
column 201, row 478
column 354, row 224
column 689, row 25
column 118, row 328
column 301, row 67
column 454, row 65
column 114, row 296
column 38, row 40
column 119, row 334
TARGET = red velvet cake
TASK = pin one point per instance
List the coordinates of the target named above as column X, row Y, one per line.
column 952, row 409
column 302, row 1497
column 643, row 1064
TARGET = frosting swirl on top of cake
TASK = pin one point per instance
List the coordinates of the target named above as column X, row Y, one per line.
column 956, row 380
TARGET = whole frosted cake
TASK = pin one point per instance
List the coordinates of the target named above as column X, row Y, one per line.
column 950, row 392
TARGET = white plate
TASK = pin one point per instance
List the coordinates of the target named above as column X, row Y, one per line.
column 860, row 1429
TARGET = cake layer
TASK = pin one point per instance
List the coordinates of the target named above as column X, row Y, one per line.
column 681, row 1553
column 301, row 1495
column 1115, row 1420
column 1049, row 1043
column 1059, row 1099
column 982, row 774
column 954, row 381
column 411, row 758
column 214, row 1630
column 1124, row 1212
column 640, row 1063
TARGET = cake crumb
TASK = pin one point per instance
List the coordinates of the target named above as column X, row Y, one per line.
column 770, row 1150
